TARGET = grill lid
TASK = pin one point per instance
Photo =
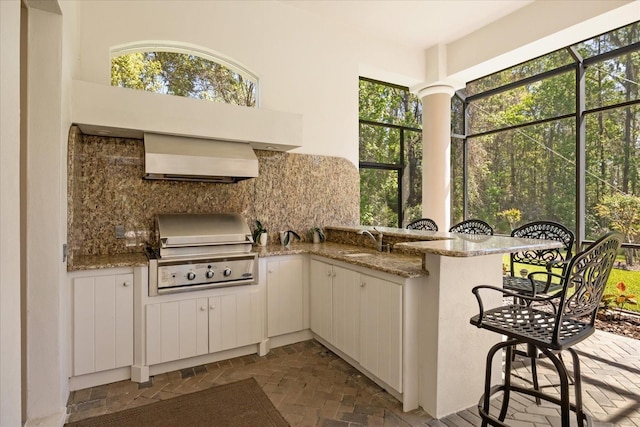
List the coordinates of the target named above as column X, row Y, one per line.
column 180, row 230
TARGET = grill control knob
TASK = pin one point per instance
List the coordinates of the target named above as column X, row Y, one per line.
column 209, row 274
column 191, row 275
column 227, row 272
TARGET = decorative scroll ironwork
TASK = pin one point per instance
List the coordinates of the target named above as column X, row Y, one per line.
column 587, row 277
column 472, row 226
column 544, row 230
column 423, row 224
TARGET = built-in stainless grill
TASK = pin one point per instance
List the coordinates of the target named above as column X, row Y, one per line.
column 201, row 251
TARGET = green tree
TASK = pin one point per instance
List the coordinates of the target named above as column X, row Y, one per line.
column 622, row 213
column 136, row 72
column 182, row 75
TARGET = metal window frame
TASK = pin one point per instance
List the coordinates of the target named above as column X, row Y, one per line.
column 397, row 167
column 579, row 68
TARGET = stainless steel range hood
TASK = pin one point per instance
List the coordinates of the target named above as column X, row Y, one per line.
column 196, row 159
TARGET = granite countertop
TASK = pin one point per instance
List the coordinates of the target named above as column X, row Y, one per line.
column 399, row 264
column 93, row 262
column 468, row 245
column 405, row 260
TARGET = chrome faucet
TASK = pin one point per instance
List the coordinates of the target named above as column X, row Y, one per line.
column 377, row 241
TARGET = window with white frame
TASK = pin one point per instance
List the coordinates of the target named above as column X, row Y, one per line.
column 183, row 71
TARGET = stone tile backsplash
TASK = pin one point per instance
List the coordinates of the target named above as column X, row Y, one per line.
column 106, row 190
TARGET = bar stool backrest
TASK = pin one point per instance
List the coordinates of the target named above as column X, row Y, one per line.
column 585, row 279
column 545, row 230
column 423, row 224
column 472, row 226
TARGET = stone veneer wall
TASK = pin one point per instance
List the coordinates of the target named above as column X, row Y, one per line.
column 105, row 189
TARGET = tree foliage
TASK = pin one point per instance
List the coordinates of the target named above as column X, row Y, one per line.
column 622, row 213
column 182, row 75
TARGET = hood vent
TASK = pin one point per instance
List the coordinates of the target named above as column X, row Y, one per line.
column 180, row 158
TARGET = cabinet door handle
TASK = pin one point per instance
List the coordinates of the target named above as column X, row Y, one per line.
column 329, row 273
column 334, row 274
column 363, row 284
column 203, row 308
column 127, row 283
column 212, row 307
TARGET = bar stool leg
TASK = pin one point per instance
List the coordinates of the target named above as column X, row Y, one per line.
column 565, row 405
column 532, row 351
column 484, row 405
column 506, row 394
column 486, row 397
column 577, row 381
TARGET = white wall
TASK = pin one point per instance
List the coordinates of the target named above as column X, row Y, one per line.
column 518, row 38
column 45, row 291
column 68, row 61
column 305, row 66
column 10, row 354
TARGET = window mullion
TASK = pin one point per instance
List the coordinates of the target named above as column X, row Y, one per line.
column 581, row 150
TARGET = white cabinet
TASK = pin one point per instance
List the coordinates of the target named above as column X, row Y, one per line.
column 361, row 315
column 321, row 281
column 381, row 329
column 102, row 322
column 235, row 320
column 285, row 296
column 193, row 327
column 346, row 306
column 335, row 305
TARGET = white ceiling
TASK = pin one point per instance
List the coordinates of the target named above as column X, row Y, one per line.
column 412, row 23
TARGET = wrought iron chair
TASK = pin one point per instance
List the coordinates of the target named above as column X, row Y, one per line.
column 472, row 226
column 569, row 321
column 423, row 224
column 549, row 258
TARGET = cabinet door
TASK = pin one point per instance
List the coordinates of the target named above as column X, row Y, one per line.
column 235, row 320
column 321, row 312
column 162, row 332
column 102, row 323
column 284, row 297
column 177, row 330
column 346, row 310
column 381, row 329
column 193, row 328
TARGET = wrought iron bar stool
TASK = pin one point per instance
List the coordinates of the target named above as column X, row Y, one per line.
column 570, row 320
column 472, row 226
column 423, row 224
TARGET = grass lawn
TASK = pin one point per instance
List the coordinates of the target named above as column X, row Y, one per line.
column 630, row 278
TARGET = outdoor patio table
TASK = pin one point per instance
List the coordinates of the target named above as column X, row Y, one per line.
column 452, row 352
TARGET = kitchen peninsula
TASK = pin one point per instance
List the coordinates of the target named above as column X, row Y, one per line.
column 452, row 352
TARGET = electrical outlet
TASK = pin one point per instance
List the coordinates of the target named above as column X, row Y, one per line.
column 119, row 231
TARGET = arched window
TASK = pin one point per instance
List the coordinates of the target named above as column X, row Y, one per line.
column 182, row 70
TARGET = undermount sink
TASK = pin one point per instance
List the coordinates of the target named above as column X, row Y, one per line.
column 355, row 254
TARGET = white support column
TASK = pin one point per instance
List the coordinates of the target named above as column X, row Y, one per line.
column 436, row 149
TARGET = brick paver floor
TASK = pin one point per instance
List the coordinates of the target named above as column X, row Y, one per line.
column 311, row 386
